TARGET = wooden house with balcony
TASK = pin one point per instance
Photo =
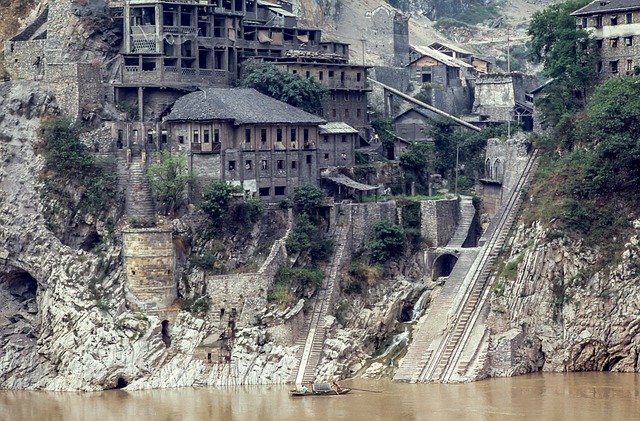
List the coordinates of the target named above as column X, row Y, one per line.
column 228, row 136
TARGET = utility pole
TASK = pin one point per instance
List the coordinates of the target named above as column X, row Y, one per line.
column 508, row 53
column 455, row 191
column 363, row 50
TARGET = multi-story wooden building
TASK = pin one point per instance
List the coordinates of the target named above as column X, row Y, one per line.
column 616, row 27
column 227, row 136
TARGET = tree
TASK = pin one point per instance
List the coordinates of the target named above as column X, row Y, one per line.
column 418, row 163
column 569, row 57
column 308, row 198
column 383, row 128
column 306, row 94
column 388, row 241
column 215, row 200
column 169, row 179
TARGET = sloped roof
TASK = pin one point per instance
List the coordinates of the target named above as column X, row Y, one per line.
column 440, row 56
column 449, row 46
column 607, row 6
column 336, row 127
column 240, row 105
column 347, row 182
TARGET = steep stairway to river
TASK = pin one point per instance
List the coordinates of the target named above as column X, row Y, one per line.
column 438, row 353
column 312, row 344
column 140, row 205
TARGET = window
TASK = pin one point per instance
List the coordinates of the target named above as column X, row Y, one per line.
column 599, row 68
column 585, row 22
column 150, row 136
column 308, row 74
column 346, row 96
column 326, row 157
column 325, row 138
column 232, row 165
column 598, row 21
column 330, row 73
column 358, row 76
column 294, row 72
column 264, row 164
column 247, row 164
column 263, row 135
column 333, row 96
column 135, row 135
column 120, row 135
column 614, row 20
column 216, row 135
column 358, row 112
column 247, row 135
column 629, row 66
column 280, row 164
column 206, row 136
column 599, row 43
column 344, row 138
column 180, row 139
column 333, row 112
column 264, row 191
column 278, row 135
column 629, row 18
column 195, row 137
column 320, row 75
column 613, row 66
column 293, row 135
column 305, row 134
column 294, row 165
column 279, row 190
column 308, row 159
column 628, row 41
column 613, row 43
column 163, row 136
column 346, row 113
column 359, row 97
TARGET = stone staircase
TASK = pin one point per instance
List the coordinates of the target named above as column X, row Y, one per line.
column 140, row 204
column 311, row 345
column 465, row 219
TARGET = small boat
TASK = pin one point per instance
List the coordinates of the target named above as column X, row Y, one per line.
column 321, row 389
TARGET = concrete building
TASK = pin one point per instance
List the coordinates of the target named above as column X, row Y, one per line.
column 616, row 26
column 504, row 97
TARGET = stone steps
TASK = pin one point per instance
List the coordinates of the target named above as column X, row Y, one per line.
column 140, row 204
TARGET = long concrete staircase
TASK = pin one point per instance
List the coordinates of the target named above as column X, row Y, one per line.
column 449, row 338
column 311, row 344
column 465, row 219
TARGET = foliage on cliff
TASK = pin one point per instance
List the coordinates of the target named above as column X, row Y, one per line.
column 304, row 93
column 71, row 168
column 169, row 178
column 588, row 185
column 569, row 56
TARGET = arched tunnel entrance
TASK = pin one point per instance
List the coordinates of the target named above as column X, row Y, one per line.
column 18, row 295
column 443, row 265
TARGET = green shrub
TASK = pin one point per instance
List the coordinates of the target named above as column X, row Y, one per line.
column 388, row 241
column 290, row 283
column 198, row 305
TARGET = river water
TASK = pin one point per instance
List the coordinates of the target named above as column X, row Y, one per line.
column 576, row 396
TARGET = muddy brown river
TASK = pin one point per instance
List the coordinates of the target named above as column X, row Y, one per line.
column 580, row 396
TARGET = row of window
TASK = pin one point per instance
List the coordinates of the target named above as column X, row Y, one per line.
column 330, row 74
column 264, row 164
column 613, row 20
column 346, row 114
column 614, row 42
column 614, row 66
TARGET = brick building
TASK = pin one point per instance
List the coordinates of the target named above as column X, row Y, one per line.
column 616, row 26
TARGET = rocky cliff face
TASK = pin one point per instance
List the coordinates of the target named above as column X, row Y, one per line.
column 565, row 310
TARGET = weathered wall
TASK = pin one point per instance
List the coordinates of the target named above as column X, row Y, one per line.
column 150, row 261
column 439, row 219
column 364, row 216
column 76, row 86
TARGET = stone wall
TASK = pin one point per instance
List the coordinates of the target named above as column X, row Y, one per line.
column 363, row 218
column 25, row 60
column 150, row 262
column 439, row 219
column 76, row 86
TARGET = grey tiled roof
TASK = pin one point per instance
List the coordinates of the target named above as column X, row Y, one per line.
column 607, row 6
column 336, row 127
column 241, row 106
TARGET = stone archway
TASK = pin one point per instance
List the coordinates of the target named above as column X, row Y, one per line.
column 443, row 265
column 488, row 170
column 498, row 171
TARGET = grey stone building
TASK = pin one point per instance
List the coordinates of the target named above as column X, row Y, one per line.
column 228, row 136
column 616, row 26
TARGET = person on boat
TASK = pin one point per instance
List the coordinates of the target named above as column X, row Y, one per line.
column 338, row 387
column 304, row 389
